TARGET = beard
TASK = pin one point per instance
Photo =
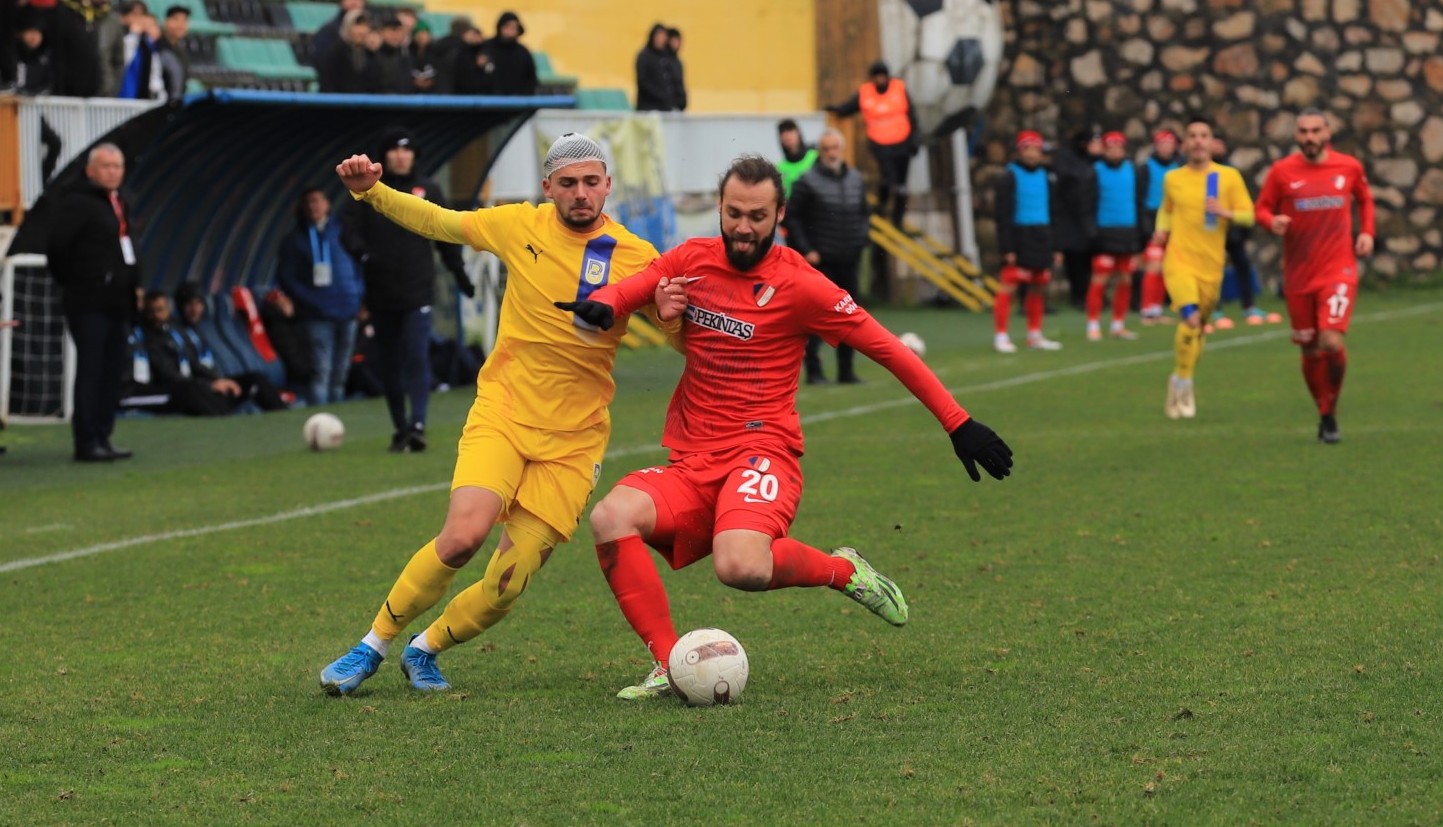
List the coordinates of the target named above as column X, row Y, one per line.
column 580, row 224
column 1311, row 150
column 746, row 260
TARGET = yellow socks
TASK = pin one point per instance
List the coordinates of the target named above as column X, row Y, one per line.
column 488, row 601
column 421, row 585
column 1187, row 345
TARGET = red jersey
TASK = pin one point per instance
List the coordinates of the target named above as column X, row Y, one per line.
column 745, row 335
column 1319, row 198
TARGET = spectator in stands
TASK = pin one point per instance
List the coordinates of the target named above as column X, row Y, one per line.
column 290, row 339
column 424, row 64
column 143, row 78
column 35, row 68
column 87, row 42
column 322, row 279
column 406, row 16
column 655, row 85
column 443, row 53
column 400, row 278
column 797, row 157
column 393, row 60
column 827, row 218
column 349, row 65
column 9, row 33
column 673, row 45
column 510, row 64
column 166, row 63
column 195, row 348
column 176, row 29
column 92, row 256
column 471, row 68
column 332, row 33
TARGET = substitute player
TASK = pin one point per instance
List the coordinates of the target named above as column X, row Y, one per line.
column 1162, row 160
column 734, row 480
column 1118, row 215
column 1308, row 199
column 1025, row 196
column 531, row 451
column 1199, row 201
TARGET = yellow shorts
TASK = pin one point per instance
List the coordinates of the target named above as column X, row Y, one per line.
column 549, row 473
column 1185, row 287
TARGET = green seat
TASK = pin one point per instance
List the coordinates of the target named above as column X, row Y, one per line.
column 613, row 100
column 440, row 22
column 262, row 57
column 309, row 17
column 546, row 75
column 200, row 19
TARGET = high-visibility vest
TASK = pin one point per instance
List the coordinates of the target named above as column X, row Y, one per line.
column 885, row 113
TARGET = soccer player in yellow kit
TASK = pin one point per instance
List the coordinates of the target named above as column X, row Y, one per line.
column 1200, row 200
column 530, row 453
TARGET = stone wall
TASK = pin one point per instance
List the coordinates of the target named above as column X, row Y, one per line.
column 1136, row 65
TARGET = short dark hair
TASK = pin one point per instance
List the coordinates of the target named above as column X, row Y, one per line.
column 673, row 32
column 187, row 292
column 787, row 125
column 302, row 216
column 754, row 169
column 174, row 10
column 1198, row 117
column 152, row 296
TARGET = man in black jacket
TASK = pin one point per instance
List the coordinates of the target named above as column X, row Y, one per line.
column 92, row 256
column 400, row 273
column 1072, row 227
column 827, row 223
column 510, row 65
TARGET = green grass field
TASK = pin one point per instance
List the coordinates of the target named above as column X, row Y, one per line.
column 1216, row 621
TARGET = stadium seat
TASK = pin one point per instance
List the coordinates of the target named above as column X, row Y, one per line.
column 266, row 58
column 613, row 100
column 547, row 76
column 308, row 17
column 440, row 22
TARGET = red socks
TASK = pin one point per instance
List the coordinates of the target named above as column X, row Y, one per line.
column 1323, row 370
column 634, row 580
column 1121, row 299
column 1095, row 296
column 1153, row 290
column 1035, row 304
column 795, row 563
column 1001, row 310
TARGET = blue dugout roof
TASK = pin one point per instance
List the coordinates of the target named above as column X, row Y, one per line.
column 213, row 182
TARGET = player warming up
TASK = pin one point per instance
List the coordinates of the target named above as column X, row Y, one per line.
column 734, row 480
column 1025, row 198
column 530, row 453
column 1308, row 199
column 1200, row 199
column 1118, row 208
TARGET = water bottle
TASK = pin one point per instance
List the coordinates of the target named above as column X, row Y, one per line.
column 1210, row 220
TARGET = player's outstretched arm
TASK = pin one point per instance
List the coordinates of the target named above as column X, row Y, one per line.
column 362, row 177
column 976, row 444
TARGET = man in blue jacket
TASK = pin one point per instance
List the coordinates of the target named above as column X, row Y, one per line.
column 324, row 284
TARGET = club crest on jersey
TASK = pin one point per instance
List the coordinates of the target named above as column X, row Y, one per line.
column 763, row 292
column 1339, row 181
column 720, row 322
column 419, row 192
column 595, row 270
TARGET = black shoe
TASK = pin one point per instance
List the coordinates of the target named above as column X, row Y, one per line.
column 851, row 380
column 817, row 379
column 1328, row 433
column 96, row 454
column 400, row 443
column 416, row 439
column 118, row 453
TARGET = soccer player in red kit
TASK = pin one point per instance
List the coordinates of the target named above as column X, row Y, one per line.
column 734, row 479
column 1308, row 199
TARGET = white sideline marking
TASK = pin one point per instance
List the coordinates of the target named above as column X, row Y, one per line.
column 858, row 410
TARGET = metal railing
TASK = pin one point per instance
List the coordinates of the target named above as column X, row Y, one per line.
column 79, row 122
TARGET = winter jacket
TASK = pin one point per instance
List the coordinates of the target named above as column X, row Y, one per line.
column 295, row 274
column 828, row 213
column 86, row 257
column 398, row 265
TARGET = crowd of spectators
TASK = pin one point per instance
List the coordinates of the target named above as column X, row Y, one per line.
column 660, row 79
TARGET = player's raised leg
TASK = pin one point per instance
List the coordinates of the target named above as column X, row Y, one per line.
column 422, row 584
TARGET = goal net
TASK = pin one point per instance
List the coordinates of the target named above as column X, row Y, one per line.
column 37, row 358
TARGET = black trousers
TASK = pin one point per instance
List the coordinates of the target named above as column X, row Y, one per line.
column 843, row 273
column 1237, row 247
column 101, row 352
column 893, row 162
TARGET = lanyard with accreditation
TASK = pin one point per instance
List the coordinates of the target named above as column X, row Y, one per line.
column 127, row 249
column 320, row 260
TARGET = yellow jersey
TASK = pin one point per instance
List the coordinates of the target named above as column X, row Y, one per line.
column 1195, row 245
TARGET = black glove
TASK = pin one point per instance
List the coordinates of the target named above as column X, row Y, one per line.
column 468, row 287
column 595, row 314
column 976, row 444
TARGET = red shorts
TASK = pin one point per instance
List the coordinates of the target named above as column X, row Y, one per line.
column 701, row 495
column 1108, row 263
column 1012, row 274
column 1327, row 306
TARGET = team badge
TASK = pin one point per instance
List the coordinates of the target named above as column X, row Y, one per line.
column 595, row 271
column 419, row 192
column 1339, row 182
column 764, row 293
column 595, row 473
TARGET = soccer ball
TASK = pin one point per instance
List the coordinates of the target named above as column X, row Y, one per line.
column 947, row 51
column 323, row 432
column 707, row 666
column 914, row 343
